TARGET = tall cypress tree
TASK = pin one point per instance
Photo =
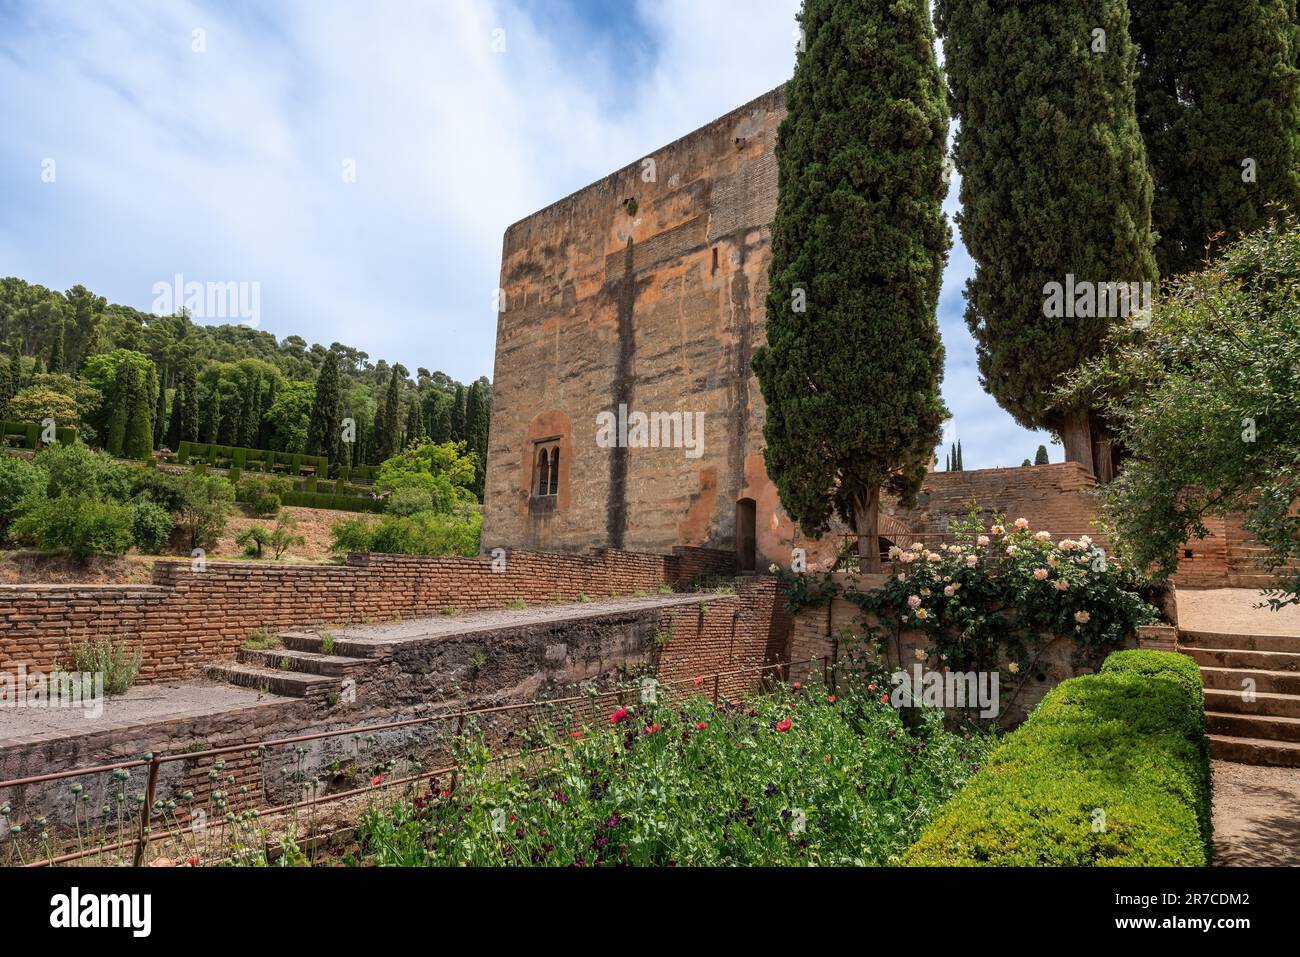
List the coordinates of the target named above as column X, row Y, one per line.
column 1040, row 457
column 126, row 386
column 173, row 439
column 1054, row 183
column 1218, row 101
column 458, row 414
column 851, row 369
column 160, row 412
column 324, row 424
column 212, row 420
column 388, row 422
column 7, row 388
column 16, row 369
column 189, row 430
column 476, row 431
column 56, row 349
column 140, row 427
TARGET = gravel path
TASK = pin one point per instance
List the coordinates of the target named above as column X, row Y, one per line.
column 1256, row 815
column 1231, row 610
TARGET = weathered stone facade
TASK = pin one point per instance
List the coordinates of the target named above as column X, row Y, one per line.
column 644, row 290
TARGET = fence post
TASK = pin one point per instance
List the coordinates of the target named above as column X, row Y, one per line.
column 146, row 812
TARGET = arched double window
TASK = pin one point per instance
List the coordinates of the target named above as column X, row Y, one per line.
column 546, row 469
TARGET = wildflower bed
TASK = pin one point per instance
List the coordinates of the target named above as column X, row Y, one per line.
column 791, row 778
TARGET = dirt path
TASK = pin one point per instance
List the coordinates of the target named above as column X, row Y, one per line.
column 1233, row 610
column 1256, row 815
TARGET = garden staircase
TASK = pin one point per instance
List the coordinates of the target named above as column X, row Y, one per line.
column 1258, row 728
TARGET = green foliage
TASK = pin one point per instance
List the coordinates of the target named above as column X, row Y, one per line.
column 151, row 526
column 37, row 403
column 290, row 414
column 1111, row 769
column 326, row 420
column 1204, row 402
column 790, row 778
column 851, row 369
column 112, row 659
column 1218, row 84
column 19, row 479
column 1040, row 457
column 77, row 524
column 284, row 537
column 437, row 469
column 204, row 509
column 263, row 496
column 253, row 539
column 424, row 533
column 409, row 500
column 76, row 470
column 1054, row 181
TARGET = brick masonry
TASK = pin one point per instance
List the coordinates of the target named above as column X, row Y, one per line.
column 189, row 617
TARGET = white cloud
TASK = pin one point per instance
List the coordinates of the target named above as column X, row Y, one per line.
column 226, row 164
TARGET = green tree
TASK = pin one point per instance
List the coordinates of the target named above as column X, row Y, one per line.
column 1040, row 457
column 16, row 368
column 457, row 414
column 213, row 415
column 189, row 427
column 1054, row 184
column 1218, row 100
column 851, row 369
column 36, row 403
column 1205, row 404
column 160, row 413
column 139, row 428
column 388, row 424
column 324, row 425
column 56, row 350
column 476, row 431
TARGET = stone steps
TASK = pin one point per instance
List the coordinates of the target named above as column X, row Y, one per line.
column 342, row 648
column 1261, row 704
column 1284, row 754
column 1249, row 660
column 1268, row 727
column 306, row 662
column 291, row 684
column 1229, row 641
column 1269, row 682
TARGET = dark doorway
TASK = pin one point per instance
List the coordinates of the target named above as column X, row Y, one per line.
column 746, row 542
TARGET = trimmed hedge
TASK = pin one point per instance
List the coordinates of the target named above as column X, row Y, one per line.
column 1110, row 769
column 345, row 503
column 29, row 434
column 252, row 460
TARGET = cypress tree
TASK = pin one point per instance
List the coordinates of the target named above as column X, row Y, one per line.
column 1218, row 101
column 16, row 369
column 160, row 413
column 189, row 428
column 323, row 427
column 251, row 421
column 388, row 424
column 173, row 439
column 1024, row 463
column 139, row 425
column 212, row 420
column 476, row 431
column 851, row 369
column 7, row 388
column 440, row 417
column 1054, row 183
column 414, row 424
column 1040, row 457
column 961, row 463
column 458, row 415
column 126, row 385
column 56, row 350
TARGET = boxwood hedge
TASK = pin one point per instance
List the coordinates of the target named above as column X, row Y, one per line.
column 1110, row 769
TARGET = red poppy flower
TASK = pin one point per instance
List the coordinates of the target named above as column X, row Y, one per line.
column 377, row 780
column 617, row 716
column 785, row 725
column 701, row 726
column 576, row 735
column 884, row 699
column 796, row 686
column 651, row 729
column 192, row 861
column 830, row 699
column 699, row 681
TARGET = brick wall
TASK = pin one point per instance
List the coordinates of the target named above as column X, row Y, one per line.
column 189, row 617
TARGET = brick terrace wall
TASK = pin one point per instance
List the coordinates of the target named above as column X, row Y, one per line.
column 727, row 633
column 816, row 633
column 187, row 617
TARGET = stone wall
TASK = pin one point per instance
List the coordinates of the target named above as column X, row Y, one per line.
column 189, row 617
column 645, row 289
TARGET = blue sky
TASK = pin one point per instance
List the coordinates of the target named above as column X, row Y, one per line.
column 218, row 154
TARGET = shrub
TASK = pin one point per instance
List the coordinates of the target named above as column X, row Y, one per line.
column 1110, row 769
column 151, row 526
column 284, row 538
column 352, row 535
column 263, row 496
column 424, row 533
column 253, row 539
column 112, row 659
column 19, row 479
column 408, row 501
column 206, row 507
column 76, row 470
column 164, row 489
column 77, row 524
